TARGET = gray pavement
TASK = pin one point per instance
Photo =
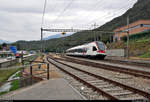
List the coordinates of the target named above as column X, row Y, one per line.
column 53, row 89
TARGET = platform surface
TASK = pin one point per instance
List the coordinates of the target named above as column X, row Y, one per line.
column 53, row 89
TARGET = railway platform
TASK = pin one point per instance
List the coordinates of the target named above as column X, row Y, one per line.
column 53, row 89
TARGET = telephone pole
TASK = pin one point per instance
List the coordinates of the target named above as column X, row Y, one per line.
column 41, row 40
column 128, row 37
column 94, row 32
column 95, row 38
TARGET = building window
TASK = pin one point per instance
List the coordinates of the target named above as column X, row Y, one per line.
column 141, row 25
column 134, row 27
column 115, row 38
column 146, row 25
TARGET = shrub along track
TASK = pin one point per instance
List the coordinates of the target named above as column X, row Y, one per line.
column 102, row 85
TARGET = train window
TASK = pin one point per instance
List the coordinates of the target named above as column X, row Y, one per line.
column 94, row 48
column 84, row 50
column 101, row 46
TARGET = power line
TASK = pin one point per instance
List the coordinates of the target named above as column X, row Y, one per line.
column 63, row 11
column 95, row 7
column 107, row 14
column 43, row 13
column 69, row 6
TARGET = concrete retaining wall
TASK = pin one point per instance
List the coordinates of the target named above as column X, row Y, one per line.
column 8, row 63
column 12, row 62
column 116, row 53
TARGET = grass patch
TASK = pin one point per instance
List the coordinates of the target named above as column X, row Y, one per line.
column 5, row 74
column 15, row 85
column 39, row 54
column 26, row 62
column 146, row 55
column 143, row 40
column 1, row 93
column 18, row 74
column 139, row 47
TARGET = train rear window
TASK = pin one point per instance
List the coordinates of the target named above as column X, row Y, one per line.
column 101, row 45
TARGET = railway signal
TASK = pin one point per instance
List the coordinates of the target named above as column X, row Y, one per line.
column 63, row 33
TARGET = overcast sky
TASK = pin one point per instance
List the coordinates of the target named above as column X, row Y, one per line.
column 21, row 19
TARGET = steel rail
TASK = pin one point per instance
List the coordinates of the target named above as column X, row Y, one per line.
column 134, row 72
column 141, row 92
column 86, row 83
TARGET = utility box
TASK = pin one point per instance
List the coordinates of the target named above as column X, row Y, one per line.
column 116, row 52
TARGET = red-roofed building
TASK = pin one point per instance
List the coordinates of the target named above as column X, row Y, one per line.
column 135, row 27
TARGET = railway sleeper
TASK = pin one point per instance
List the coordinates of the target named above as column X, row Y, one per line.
column 106, row 86
column 89, row 79
column 87, row 89
column 96, row 81
column 99, row 97
column 82, row 76
column 76, row 83
column 134, row 98
column 117, row 89
column 130, row 97
column 122, row 93
column 93, row 95
column 98, row 84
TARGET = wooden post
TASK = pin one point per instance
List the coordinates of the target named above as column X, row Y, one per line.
column 47, row 71
column 31, row 73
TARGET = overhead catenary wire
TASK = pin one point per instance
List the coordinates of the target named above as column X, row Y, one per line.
column 96, row 6
column 91, row 8
column 109, row 16
column 60, row 15
column 64, row 10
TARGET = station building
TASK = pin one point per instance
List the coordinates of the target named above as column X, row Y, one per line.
column 135, row 27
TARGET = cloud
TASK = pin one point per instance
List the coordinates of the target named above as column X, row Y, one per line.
column 21, row 19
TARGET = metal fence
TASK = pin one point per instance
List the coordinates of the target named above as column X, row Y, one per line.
column 30, row 74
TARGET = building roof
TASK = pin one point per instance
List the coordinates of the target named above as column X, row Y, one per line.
column 133, row 24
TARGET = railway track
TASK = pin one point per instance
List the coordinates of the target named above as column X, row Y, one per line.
column 108, row 88
column 134, row 72
column 125, row 62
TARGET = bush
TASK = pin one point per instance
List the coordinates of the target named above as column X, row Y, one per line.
column 146, row 55
column 137, row 35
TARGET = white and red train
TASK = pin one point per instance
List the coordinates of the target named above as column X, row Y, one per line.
column 94, row 49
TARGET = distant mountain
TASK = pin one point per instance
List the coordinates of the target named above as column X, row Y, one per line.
column 4, row 41
column 55, row 36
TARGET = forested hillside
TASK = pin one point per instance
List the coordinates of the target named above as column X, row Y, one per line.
column 141, row 10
